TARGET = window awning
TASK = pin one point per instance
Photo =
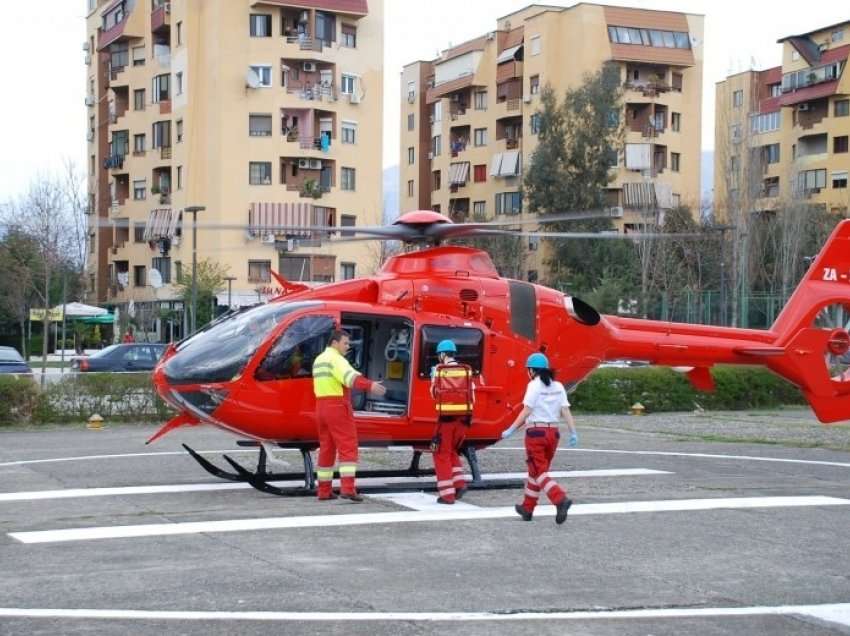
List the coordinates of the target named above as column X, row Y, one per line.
column 510, row 164
column 638, row 156
column 496, row 164
column 839, row 174
column 646, row 195
column 459, row 173
column 162, row 224
column 508, row 54
column 280, row 219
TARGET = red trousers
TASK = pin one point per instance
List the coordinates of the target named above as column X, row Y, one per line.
column 540, row 446
column 337, row 437
column 447, row 466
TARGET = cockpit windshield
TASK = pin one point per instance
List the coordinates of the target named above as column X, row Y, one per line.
column 221, row 352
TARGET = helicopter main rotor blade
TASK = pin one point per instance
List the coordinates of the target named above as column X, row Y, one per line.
column 637, row 236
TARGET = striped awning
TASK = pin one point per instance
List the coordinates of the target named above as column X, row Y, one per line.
column 459, row 173
column 646, row 195
column 162, row 224
column 284, row 219
column 510, row 164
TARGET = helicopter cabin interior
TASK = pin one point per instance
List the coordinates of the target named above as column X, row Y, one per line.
column 381, row 349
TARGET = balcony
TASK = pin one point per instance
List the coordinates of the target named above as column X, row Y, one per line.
column 114, row 162
column 161, row 17
column 306, row 43
column 509, row 70
column 316, row 92
column 165, row 152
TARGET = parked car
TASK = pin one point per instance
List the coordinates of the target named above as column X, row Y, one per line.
column 121, row 357
column 12, row 362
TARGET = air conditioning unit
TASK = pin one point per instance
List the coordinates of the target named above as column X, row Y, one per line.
column 90, row 135
column 526, row 99
column 308, row 67
column 303, row 163
column 616, row 212
column 430, row 156
column 89, row 100
column 803, row 107
column 315, row 164
column 87, row 59
column 268, row 239
column 354, row 98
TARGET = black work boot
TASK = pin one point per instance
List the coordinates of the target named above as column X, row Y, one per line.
column 522, row 512
column 353, row 496
column 562, row 509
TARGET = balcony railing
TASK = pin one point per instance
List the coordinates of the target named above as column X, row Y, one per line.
column 648, row 88
column 317, row 92
column 313, row 143
column 511, row 143
column 114, row 162
column 305, row 42
column 165, row 152
column 513, row 104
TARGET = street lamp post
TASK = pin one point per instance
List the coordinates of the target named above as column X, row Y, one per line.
column 193, row 210
column 229, row 280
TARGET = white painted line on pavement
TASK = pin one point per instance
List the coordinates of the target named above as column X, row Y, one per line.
column 357, row 519
column 838, row 613
column 422, row 501
column 71, row 493
column 754, row 458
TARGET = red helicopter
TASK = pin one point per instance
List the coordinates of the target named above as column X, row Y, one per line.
column 249, row 372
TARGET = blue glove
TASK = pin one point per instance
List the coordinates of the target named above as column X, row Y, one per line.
column 508, row 432
column 573, row 440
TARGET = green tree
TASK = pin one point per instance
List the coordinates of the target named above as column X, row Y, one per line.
column 211, row 278
column 570, row 171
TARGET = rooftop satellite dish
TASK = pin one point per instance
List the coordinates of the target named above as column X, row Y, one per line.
column 252, row 80
column 154, row 278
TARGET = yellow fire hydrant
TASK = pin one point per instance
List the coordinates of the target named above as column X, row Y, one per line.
column 95, row 422
column 638, row 409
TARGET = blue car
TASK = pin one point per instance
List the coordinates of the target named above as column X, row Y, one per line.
column 12, row 362
column 121, row 357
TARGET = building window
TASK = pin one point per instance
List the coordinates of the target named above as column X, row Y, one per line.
column 436, row 145
column 437, row 115
column 841, row 107
column 436, row 180
column 179, row 177
column 138, row 144
column 179, row 33
column 737, row 98
column 261, row 26
column 508, row 203
column 839, row 144
column 349, row 132
column 766, row 122
column 410, row 188
column 410, row 122
column 534, row 84
column 411, row 156
column 160, row 91
column 264, row 73
column 260, row 125
column 139, row 99
column 535, row 45
column 480, row 100
column 178, row 83
column 348, row 179
column 810, row 180
column 837, row 36
column 770, row 153
column 139, row 276
column 411, row 92
column 533, row 243
column 674, row 161
column 260, row 173
column 259, row 271
column 348, row 84
column 534, row 123
column 480, row 136
column 346, row 270
column 161, row 134
column 179, row 130
column 138, row 56
column 649, row 37
column 479, row 209
column 479, row 173
column 139, row 190
column 139, row 232
column 349, row 36
column 795, row 55
column 178, row 271
column 347, row 220
column 163, row 265
column 532, row 276
column 676, row 122
column 839, row 180
column 775, row 89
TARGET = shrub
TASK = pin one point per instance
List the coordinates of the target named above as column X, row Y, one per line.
column 18, row 399
column 661, row 389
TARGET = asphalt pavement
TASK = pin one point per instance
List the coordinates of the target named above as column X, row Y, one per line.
column 670, row 534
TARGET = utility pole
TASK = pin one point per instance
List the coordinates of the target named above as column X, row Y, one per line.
column 229, row 280
column 193, row 210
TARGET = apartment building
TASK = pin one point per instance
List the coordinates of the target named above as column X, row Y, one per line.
column 469, row 118
column 265, row 112
column 782, row 133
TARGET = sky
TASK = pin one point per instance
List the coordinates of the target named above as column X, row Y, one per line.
column 43, row 116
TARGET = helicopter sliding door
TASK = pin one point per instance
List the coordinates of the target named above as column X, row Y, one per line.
column 381, row 350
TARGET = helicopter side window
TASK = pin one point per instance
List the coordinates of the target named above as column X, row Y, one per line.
column 469, row 342
column 293, row 354
column 523, row 309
